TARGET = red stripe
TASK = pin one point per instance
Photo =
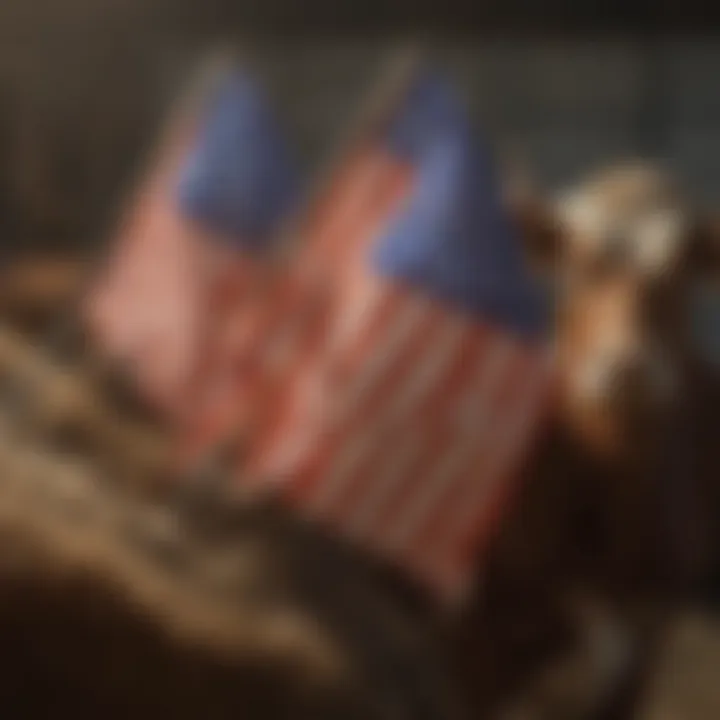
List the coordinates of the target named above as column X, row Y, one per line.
column 425, row 417
column 439, row 435
column 478, row 511
column 297, row 437
column 461, row 566
column 426, row 550
column 353, row 423
column 513, row 455
column 368, row 186
column 227, row 291
column 145, row 313
column 275, row 387
column 472, row 446
column 150, row 236
column 333, row 373
column 313, row 284
column 351, row 214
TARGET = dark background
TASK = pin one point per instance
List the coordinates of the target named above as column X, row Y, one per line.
column 84, row 85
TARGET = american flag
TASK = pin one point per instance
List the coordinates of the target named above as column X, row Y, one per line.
column 404, row 426
column 282, row 331
column 190, row 253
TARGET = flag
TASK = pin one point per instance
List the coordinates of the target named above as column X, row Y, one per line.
column 407, row 426
column 284, row 330
column 189, row 253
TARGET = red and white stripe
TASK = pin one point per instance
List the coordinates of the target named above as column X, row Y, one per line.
column 155, row 309
column 405, row 433
column 245, row 382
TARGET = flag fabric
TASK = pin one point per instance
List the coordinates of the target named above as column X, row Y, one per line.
column 190, row 253
column 410, row 412
column 284, row 330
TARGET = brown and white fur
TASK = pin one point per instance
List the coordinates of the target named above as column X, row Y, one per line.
column 637, row 399
column 616, row 517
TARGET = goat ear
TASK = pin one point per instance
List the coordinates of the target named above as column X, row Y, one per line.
column 705, row 247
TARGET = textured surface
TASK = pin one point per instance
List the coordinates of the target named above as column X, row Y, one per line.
column 686, row 686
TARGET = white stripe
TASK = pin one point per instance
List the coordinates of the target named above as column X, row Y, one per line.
column 511, row 432
column 283, row 348
column 353, row 202
column 423, row 377
column 399, row 329
column 441, row 352
column 478, row 403
column 357, row 309
column 448, row 465
column 312, row 398
column 443, row 470
column 453, row 581
column 284, row 455
column 345, row 464
column 382, row 484
column 408, row 318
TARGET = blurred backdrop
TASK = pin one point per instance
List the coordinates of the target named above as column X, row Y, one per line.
column 84, row 84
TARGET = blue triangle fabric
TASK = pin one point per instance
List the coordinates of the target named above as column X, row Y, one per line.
column 454, row 239
column 239, row 179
